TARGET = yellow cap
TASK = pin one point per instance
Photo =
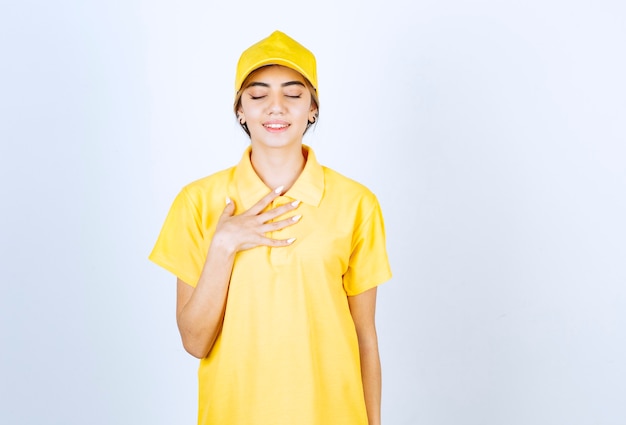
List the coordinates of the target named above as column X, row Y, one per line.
column 277, row 49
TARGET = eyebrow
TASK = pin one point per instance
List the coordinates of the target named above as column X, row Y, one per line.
column 285, row 84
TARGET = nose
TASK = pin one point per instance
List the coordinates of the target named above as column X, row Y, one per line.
column 275, row 105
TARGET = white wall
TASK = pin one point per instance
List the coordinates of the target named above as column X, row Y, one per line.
column 494, row 134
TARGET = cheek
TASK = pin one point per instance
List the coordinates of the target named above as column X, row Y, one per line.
column 249, row 110
column 303, row 110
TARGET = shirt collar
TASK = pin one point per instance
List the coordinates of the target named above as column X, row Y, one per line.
column 308, row 188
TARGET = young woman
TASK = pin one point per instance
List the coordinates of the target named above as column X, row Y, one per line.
column 277, row 262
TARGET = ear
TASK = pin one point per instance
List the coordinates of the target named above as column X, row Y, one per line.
column 241, row 117
column 313, row 112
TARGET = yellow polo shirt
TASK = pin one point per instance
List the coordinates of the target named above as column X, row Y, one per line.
column 288, row 352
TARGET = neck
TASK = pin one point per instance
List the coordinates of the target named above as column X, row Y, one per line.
column 278, row 166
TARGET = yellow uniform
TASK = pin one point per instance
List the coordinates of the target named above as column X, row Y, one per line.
column 288, row 352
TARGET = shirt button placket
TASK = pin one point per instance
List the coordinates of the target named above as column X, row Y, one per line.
column 279, row 255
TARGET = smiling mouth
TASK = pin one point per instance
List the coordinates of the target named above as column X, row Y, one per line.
column 275, row 126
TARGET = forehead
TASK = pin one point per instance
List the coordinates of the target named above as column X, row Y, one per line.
column 275, row 72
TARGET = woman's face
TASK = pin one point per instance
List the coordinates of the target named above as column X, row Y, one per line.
column 276, row 106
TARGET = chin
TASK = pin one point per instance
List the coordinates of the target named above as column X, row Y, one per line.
column 282, row 141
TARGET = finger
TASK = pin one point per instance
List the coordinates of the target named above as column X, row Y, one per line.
column 280, row 224
column 265, row 201
column 278, row 211
column 229, row 208
column 276, row 243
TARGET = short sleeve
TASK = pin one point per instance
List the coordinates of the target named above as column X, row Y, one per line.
column 180, row 247
column 369, row 264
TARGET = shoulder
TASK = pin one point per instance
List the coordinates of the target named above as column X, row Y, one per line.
column 207, row 186
column 349, row 189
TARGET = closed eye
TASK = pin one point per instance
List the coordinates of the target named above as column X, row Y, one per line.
column 256, row 97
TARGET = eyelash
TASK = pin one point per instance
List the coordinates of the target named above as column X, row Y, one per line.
column 261, row 97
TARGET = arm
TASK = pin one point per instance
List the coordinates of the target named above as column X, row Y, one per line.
column 363, row 308
column 200, row 310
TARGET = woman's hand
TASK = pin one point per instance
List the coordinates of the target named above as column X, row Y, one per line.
column 200, row 310
column 248, row 229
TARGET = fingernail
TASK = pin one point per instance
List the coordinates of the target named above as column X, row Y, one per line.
column 228, row 201
column 296, row 217
column 290, row 241
column 279, row 189
column 295, row 203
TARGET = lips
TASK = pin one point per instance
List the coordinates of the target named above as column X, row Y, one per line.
column 275, row 126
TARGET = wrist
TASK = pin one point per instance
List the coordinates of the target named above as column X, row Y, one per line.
column 222, row 248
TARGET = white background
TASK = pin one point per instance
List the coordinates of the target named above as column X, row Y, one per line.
column 493, row 133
